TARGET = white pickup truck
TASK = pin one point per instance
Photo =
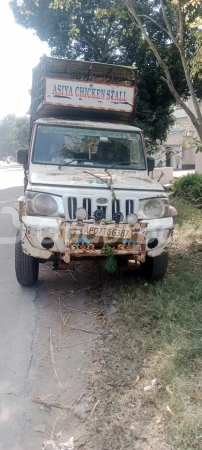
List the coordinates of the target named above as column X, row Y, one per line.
column 88, row 190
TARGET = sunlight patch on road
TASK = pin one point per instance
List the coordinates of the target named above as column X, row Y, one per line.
column 11, row 177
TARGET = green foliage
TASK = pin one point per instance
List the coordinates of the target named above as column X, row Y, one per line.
column 179, row 22
column 197, row 144
column 103, row 31
column 21, row 131
column 189, row 187
column 14, row 133
column 111, row 264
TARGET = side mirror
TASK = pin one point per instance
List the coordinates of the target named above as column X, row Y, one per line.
column 150, row 163
column 22, row 156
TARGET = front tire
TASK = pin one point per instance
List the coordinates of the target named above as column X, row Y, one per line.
column 26, row 267
column 155, row 269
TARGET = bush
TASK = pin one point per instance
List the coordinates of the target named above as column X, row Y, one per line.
column 189, row 187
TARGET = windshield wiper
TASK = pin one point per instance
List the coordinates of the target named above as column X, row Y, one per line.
column 125, row 163
column 75, row 160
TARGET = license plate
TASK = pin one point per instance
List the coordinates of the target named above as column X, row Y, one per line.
column 108, row 232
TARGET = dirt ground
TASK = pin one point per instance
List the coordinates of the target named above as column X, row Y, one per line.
column 74, row 318
column 80, row 347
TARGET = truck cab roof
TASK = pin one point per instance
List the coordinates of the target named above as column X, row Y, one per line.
column 88, row 124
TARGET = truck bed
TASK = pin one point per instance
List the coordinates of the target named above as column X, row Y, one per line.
column 85, row 71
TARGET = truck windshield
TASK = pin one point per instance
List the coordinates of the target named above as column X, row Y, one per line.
column 73, row 146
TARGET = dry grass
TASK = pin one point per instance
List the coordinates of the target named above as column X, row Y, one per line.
column 157, row 333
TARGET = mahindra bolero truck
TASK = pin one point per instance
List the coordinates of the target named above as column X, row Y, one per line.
column 89, row 192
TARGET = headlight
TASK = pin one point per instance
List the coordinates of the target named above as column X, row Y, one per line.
column 44, row 204
column 132, row 219
column 81, row 214
column 153, row 208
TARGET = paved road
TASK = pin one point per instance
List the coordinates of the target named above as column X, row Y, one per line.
column 29, row 319
column 10, row 176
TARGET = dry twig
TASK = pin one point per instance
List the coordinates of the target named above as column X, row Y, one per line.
column 95, row 406
column 73, row 345
column 81, row 329
column 74, row 310
column 60, row 356
column 49, row 304
column 53, row 405
column 55, row 424
column 52, row 359
column 78, row 400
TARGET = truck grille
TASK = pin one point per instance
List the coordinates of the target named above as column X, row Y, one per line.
column 129, row 207
column 72, row 207
column 90, row 204
column 116, row 207
column 87, row 206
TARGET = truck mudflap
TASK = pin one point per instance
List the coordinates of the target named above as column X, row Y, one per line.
column 87, row 240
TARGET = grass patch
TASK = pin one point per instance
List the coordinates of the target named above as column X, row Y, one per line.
column 157, row 334
column 189, row 187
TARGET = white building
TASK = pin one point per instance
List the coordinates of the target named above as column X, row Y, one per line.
column 180, row 144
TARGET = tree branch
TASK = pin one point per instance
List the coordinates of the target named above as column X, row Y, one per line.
column 163, row 66
column 164, row 79
column 181, row 28
column 155, row 23
column 170, row 31
column 184, row 64
column 132, row 18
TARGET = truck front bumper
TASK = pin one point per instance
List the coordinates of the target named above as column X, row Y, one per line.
column 45, row 237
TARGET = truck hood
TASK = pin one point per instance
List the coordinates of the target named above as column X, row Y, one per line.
column 95, row 178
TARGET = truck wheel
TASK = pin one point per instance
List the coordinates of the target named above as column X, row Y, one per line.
column 26, row 267
column 155, row 268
